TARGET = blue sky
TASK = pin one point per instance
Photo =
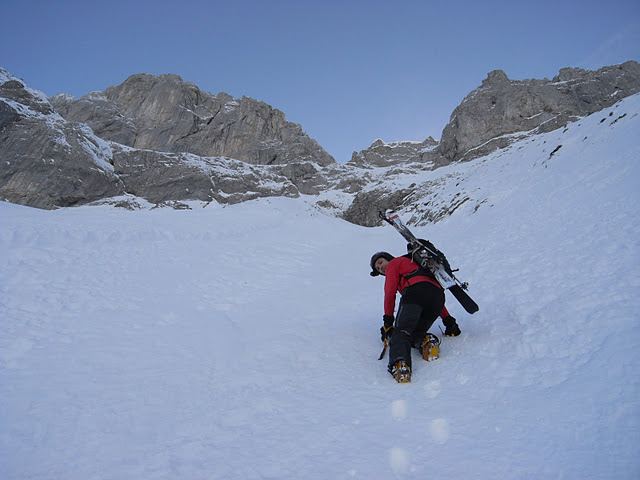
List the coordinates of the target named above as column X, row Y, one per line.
column 348, row 71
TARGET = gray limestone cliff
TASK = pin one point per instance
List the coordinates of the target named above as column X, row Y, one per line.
column 46, row 161
column 501, row 107
column 166, row 114
column 501, row 110
column 163, row 140
column 383, row 154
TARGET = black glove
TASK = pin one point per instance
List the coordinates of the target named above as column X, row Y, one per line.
column 451, row 327
column 387, row 329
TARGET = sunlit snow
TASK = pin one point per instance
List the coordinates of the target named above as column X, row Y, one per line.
column 241, row 342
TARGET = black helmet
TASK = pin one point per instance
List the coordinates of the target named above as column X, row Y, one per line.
column 375, row 258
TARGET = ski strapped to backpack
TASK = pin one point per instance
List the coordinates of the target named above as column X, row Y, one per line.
column 429, row 257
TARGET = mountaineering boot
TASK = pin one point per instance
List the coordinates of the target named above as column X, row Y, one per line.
column 400, row 371
column 430, row 348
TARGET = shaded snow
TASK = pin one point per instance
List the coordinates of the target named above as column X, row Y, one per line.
column 241, row 341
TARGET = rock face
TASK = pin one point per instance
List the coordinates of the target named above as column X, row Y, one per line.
column 165, row 141
column 48, row 162
column 502, row 110
column 163, row 178
column 381, row 154
column 44, row 160
column 501, row 107
column 165, row 114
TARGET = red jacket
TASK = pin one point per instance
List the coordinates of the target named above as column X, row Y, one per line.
column 396, row 281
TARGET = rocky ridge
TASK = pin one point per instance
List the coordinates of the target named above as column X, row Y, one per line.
column 166, row 114
column 163, row 140
column 501, row 111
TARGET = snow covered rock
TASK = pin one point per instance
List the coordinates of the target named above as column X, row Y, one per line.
column 163, row 140
column 383, row 154
column 46, row 161
column 503, row 110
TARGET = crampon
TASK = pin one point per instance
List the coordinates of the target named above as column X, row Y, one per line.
column 430, row 348
column 400, row 371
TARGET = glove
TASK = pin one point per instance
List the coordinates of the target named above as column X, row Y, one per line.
column 387, row 329
column 451, row 327
column 386, row 332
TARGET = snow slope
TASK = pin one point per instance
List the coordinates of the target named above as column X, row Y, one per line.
column 242, row 342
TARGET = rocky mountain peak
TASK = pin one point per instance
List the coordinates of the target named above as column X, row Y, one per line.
column 501, row 107
column 496, row 77
column 568, row 74
column 161, row 139
column 164, row 113
column 502, row 110
column 383, row 154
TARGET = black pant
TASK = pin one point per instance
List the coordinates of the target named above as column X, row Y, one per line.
column 420, row 306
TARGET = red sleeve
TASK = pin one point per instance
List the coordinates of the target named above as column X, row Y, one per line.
column 392, row 278
column 444, row 313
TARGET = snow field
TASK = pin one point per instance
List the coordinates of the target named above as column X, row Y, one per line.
column 242, row 342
